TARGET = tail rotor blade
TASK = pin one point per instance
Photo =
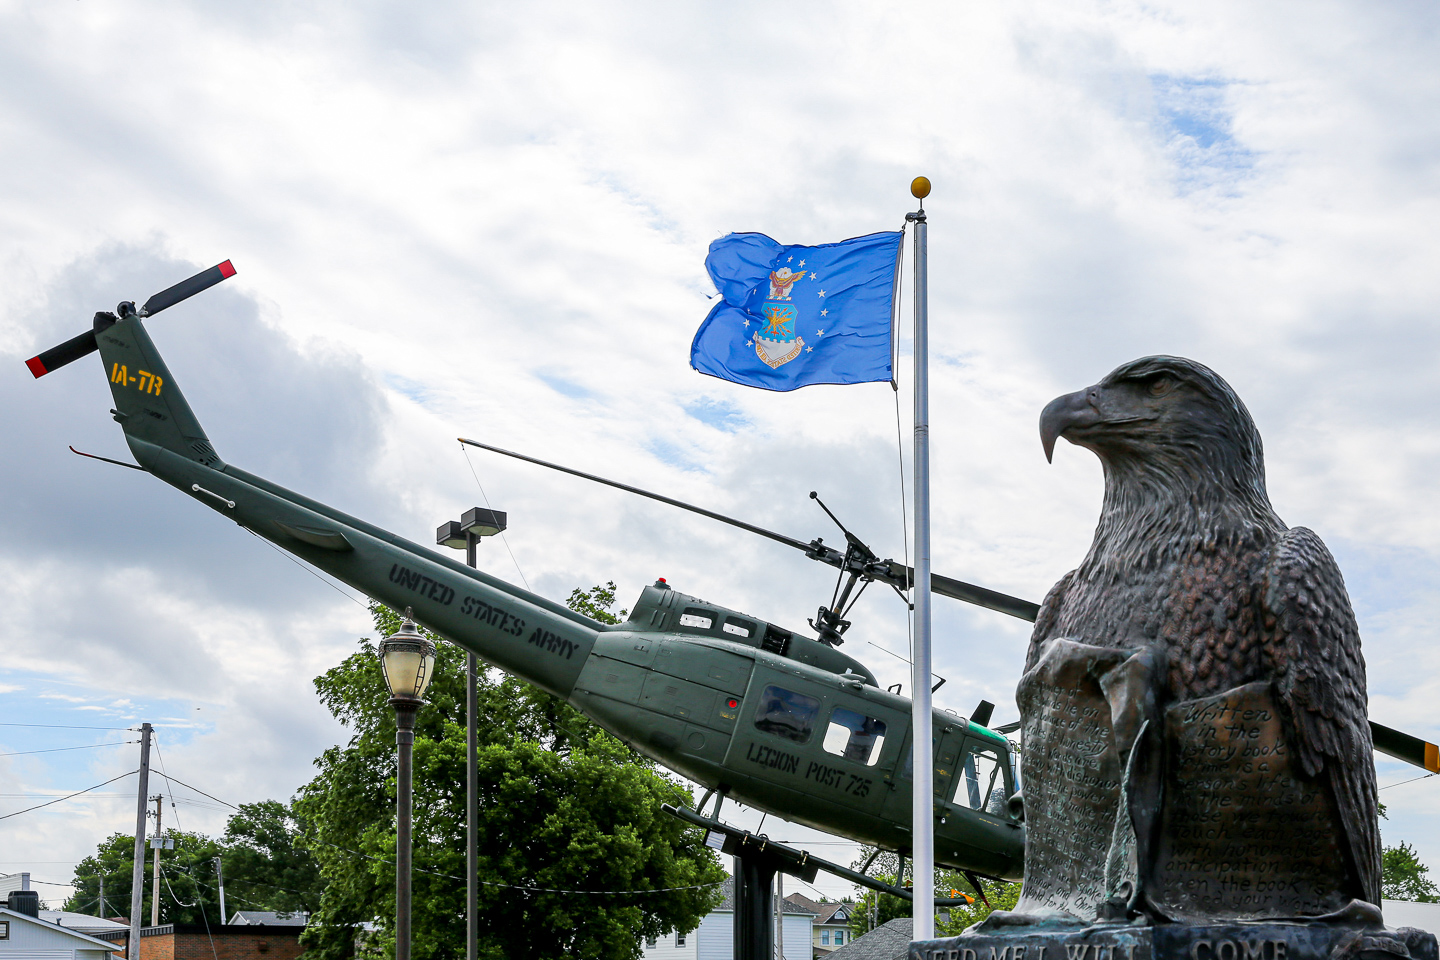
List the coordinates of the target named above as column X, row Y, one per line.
column 185, row 289
column 67, row 352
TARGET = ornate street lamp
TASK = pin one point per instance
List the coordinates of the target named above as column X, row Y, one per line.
column 408, row 660
column 464, row 534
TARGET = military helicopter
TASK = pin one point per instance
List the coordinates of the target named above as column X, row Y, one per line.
column 780, row 721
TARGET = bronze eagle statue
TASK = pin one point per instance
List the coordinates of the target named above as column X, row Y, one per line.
column 1195, row 579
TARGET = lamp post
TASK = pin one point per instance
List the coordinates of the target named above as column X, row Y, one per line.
column 464, row 534
column 408, row 660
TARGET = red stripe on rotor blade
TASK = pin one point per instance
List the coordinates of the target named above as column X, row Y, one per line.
column 226, row 270
column 37, row 367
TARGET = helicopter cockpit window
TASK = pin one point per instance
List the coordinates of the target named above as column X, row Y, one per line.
column 855, row 736
column 738, row 627
column 981, row 784
column 694, row 617
column 787, row 714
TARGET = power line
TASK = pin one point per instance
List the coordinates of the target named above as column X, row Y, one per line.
column 89, row 746
column 75, row 794
column 61, row 726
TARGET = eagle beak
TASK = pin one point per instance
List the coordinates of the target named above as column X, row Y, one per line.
column 1072, row 410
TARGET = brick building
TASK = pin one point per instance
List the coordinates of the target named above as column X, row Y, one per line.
column 195, row 941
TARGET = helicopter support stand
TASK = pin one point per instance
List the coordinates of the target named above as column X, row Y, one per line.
column 757, row 860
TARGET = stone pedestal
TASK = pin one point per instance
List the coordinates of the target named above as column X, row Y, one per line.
column 1269, row 940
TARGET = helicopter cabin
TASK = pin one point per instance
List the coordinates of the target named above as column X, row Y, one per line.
column 782, row 722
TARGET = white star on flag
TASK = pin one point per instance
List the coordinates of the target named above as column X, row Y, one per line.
column 824, row 313
column 822, row 293
column 819, row 333
column 802, row 263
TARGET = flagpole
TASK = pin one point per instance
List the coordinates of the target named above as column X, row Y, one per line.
column 923, row 765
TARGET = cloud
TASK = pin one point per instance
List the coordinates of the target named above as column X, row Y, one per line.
column 492, row 222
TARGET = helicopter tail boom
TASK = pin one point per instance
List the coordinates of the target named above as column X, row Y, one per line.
column 523, row 634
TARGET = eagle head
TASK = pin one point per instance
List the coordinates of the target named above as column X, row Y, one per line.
column 1164, row 416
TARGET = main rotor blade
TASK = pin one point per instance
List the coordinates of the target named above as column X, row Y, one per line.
column 982, row 597
column 899, row 574
column 186, row 289
column 777, row 537
column 67, row 352
column 1402, row 746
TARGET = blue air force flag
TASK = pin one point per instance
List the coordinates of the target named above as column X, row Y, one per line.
column 792, row 316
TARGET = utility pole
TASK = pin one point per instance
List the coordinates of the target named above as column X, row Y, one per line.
column 101, row 914
column 137, row 872
column 220, row 873
column 155, row 885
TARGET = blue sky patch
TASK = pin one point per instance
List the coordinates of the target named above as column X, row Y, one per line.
column 1196, row 120
column 720, row 414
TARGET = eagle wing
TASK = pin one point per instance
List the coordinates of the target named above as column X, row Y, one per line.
column 1049, row 614
column 1320, row 679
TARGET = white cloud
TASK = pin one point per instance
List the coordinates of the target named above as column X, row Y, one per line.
column 491, row 222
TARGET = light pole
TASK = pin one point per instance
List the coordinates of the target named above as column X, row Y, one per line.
column 408, row 660
column 464, row 534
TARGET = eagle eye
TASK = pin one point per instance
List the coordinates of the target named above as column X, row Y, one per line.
column 1161, row 386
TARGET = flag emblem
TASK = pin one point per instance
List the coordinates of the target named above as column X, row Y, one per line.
column 791, row 316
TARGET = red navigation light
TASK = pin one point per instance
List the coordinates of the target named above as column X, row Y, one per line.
column 732, row 703
column 660, row 579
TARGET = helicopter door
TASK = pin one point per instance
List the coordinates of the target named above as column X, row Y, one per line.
column 947, row 741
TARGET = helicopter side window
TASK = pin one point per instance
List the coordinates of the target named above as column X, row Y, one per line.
column 981, row 784
column 700, row 619
column 787, row 714
column 855, row 736
column 738, row 627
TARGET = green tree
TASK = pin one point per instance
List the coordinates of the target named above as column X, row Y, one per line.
column 1403, row 876
column 874, row 909
column 563, row 807
column 186, row 884
column 266, row 867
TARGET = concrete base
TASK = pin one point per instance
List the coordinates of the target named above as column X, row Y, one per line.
column 1260, row 940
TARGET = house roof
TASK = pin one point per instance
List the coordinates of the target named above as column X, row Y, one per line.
column 89, row 942
column 889, row 941
column 831, row 912
column 727, row 905
column 269, row 918
column 82, row 922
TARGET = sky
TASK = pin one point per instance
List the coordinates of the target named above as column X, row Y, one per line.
column 491, row 220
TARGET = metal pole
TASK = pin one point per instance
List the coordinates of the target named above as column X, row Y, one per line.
column 404, row 747
column 922, row 802
column 155, row 883
column 472, row 791
column 101, row 913
column 779, row 916
column 753, row 923
column 220, row 874
column 137, row 864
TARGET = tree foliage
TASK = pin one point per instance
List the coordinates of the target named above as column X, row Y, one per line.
column 1404, row 877
column 874, row 909
column 264, row 870
column 563, row 807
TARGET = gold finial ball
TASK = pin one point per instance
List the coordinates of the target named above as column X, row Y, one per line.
column 920, row 188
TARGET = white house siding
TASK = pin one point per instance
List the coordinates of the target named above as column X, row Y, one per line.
column 665, row 948
column 716, row 938
column 32, row 939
